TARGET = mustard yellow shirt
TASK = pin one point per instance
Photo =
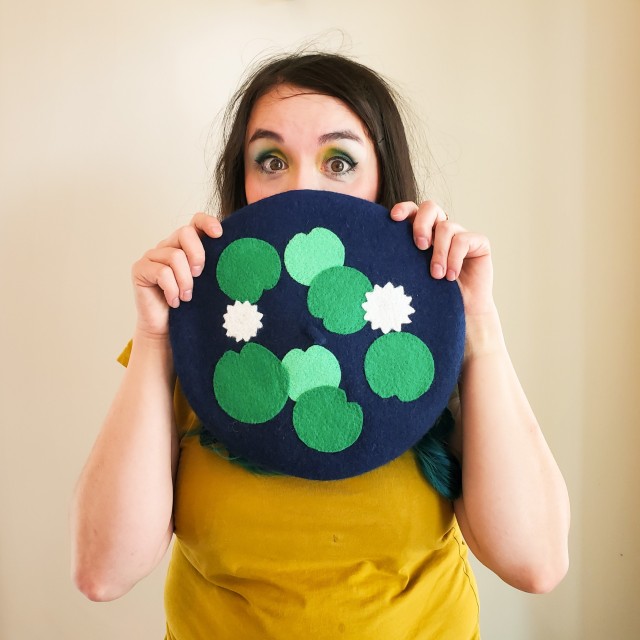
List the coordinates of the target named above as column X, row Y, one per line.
column 378, row 556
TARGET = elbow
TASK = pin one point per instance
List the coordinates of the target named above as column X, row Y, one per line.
column 95, row 592
column 546, row 582
column 105, row 576
column 542, row 577
column 96, row 586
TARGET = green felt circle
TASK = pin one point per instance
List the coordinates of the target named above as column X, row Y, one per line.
column 399, row 364
column 325, row 421
column 315, row 367
column 248, row 267
column 336, row 296
column 251, row 386
column 307, row 254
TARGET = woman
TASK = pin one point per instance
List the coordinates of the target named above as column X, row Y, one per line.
column 381, row 555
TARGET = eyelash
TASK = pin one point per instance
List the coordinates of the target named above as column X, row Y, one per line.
column 270, row 155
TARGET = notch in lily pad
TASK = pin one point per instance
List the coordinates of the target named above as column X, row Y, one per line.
column 325, row 421
column 251, row 386
column 400, row 365
column 247, row 268
column 315, row 367
column 336, row 296
column 308, row 254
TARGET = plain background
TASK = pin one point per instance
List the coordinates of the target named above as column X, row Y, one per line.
column 531, row 110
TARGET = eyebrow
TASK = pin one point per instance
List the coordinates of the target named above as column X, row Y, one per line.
column 265, row 133
column 339, row 135
column 323, row 139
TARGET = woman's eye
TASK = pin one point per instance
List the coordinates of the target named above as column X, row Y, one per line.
column 272, row 164
column 339, row 166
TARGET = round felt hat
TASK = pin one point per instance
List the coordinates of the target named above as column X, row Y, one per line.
column 316, row 343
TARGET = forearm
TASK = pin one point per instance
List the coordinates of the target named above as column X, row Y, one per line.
column 515, row 507
column 122, row 510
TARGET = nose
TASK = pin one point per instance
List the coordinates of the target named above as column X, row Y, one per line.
column 304, row 177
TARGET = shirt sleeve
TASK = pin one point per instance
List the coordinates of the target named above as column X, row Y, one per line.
column 123, row 358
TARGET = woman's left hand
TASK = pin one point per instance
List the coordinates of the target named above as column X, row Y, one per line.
column 514, row 509
column 458, row 254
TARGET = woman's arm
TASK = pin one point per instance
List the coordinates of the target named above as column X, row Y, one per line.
column 514, row 509
column 122, row 509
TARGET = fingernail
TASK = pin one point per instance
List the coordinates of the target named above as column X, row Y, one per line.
column 451, row 275
column 422, row 242
column 196, row 271
column 217, row 228
column 437, row 270
column 186, row 296
column 175, row 303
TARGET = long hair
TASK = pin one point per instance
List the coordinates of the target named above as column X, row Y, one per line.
column 365, row 92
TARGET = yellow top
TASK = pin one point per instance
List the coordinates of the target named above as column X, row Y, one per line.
column 277, row 557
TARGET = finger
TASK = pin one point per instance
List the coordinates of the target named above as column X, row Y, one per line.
column 166, row 280
column 146, row 273
column 444, row 234
column 428, row 215
column 187, row 239
column 179, row 282
column 403, row 211
column 191, row 243
column 458, row 251
column 465, row 245
column 210, row 225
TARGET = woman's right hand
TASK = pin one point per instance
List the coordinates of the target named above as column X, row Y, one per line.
column 163, row 277
column 123, row 505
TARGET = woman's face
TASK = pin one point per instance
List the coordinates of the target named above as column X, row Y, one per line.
column 301, row 140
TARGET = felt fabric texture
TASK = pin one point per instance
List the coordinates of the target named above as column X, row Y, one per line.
column 315, row 367
column 246, row 268
column 387, row 308
column 251, row 386
column 308, row 254
column 248, row 390
column 242, row 321
column 325, row 421
column 399, row 365
column 336, row 296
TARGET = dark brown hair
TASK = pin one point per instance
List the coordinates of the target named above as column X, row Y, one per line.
column 365, row 92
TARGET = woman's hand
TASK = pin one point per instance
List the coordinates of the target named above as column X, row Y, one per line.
column 458, row 254
column 514, row 509
column 163, row 277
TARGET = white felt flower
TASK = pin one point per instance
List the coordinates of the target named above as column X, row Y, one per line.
column 387, row 308
column 242, row 321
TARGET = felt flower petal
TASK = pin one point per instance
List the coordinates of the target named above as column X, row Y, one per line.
column 242, row 321
column 387, row 308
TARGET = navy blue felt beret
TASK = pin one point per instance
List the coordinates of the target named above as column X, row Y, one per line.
column 316, row 343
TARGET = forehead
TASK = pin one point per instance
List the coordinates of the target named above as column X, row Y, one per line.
column 287, row 106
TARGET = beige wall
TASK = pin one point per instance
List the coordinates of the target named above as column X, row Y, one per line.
column 531, row 110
